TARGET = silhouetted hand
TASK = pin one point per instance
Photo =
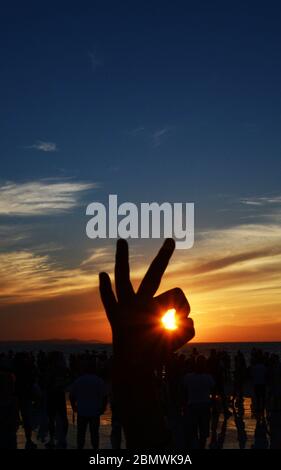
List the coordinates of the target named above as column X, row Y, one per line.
column 141, row 344
column 138, row 334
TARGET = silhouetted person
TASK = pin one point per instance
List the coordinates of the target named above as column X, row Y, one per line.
column 261, row 441
column 216, row 367
column 24, row 369
column 198, row 387
column 9, row 419
column 258, row 373
column 88, row 398
column 116, row 424
column 240, row 375
column 240, row 426
column 140, row 345
column 56, row 382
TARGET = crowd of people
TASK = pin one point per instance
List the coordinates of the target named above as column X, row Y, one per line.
column 34, row 390
column 196, row 391
column 203, row 389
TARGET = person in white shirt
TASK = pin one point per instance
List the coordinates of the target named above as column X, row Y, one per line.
column 88, row 398
column 198, row 387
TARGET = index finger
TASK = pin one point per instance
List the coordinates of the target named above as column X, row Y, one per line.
column 153, row 276
column 124, row 289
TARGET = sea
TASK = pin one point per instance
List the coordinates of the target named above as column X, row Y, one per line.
column 75, row 346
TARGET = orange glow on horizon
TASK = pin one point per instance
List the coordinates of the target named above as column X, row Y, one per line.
column 231, row 281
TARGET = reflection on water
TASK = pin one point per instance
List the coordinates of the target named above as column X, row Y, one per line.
column 237, row 431
column 105, row 429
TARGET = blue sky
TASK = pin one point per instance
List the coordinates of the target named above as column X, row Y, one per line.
column 153, row 101
column 103, row 78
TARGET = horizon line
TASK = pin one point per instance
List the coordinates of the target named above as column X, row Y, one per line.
column 77, row 340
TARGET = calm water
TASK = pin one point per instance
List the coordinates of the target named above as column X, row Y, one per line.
column 69, row 347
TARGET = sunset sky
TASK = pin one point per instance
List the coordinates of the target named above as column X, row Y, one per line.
column 153, row 101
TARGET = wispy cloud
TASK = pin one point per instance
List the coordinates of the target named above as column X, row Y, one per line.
column 157, row 136
column 240, row 258
column 27, row 276
column 234, row 257
column 101, row 259
column 261, row 201
column 12, row 235
column 43, row 146
column 231, row 277
column 136, row 131
column 43, row 197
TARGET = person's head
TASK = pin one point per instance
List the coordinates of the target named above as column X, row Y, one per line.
column 88, row 367
column 56, row 359
column 201, row 364
column 7, row 384
column 259, row 358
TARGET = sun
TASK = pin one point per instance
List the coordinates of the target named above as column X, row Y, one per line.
column 169, row 319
